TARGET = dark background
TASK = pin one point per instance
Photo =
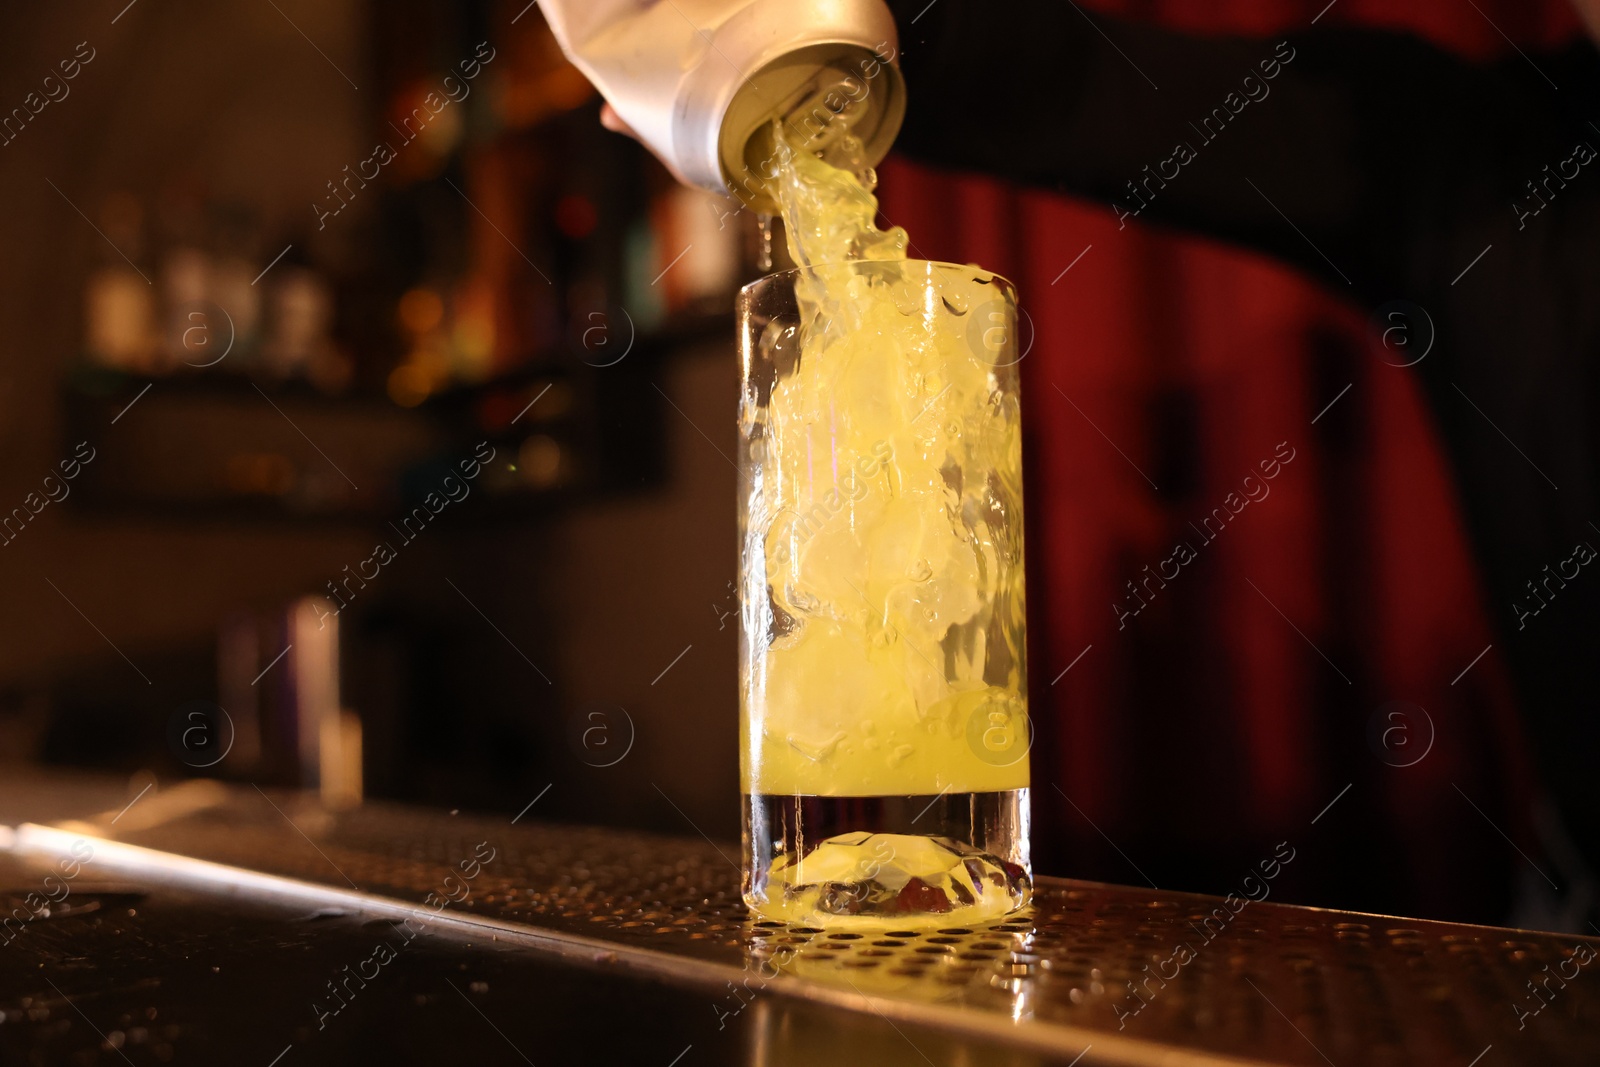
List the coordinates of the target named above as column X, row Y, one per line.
column 1180, row 750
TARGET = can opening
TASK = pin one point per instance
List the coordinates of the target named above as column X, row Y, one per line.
column 820, row 92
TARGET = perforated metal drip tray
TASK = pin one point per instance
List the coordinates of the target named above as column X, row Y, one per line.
column 1133, row 976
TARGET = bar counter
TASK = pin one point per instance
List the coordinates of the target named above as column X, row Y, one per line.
column 210, row 923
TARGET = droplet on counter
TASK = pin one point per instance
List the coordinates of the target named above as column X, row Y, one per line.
column 479, row 987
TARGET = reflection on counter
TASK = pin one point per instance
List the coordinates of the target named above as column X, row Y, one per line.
column 921, row 964
column 784, row 1033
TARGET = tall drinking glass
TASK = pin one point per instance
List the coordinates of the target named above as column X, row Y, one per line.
column 883, row 728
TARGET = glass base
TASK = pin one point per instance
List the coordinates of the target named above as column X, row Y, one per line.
column 945, row 859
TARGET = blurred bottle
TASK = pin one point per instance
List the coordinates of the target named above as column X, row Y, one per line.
column 279, row 677
column 190, row 333
column 120, row 325
column 299, row 320
column 425, row 367
column 184, row 284
column 235, row 251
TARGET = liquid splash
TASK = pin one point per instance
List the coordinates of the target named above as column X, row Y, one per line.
column 890, row 500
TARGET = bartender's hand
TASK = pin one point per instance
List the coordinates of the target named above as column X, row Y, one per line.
column 613, row 122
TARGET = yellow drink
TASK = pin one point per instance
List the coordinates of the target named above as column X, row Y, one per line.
column 884, row 726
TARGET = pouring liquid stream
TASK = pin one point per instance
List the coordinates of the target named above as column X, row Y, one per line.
column 881, row 696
